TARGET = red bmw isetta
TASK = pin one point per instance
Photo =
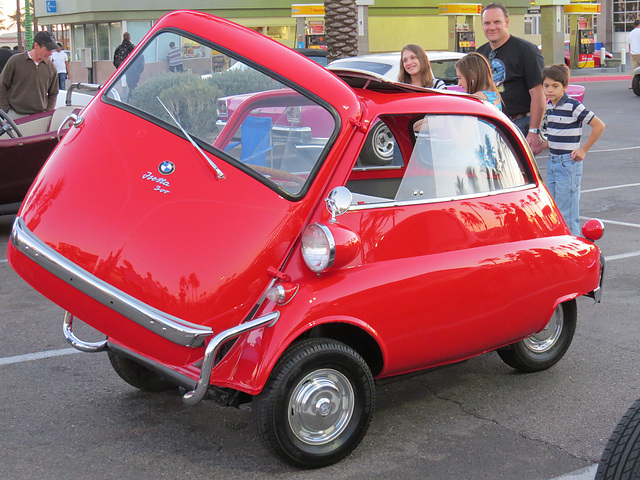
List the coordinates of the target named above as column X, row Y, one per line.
column 267, row 259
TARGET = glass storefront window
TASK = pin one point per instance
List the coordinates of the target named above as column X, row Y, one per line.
column 103, row 42
column 115, row 37
column 624, row 14
column 78, row 41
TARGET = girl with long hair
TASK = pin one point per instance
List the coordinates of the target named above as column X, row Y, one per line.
column 415, row 68
column 474, row 75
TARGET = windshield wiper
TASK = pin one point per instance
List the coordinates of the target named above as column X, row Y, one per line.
column 197, row 147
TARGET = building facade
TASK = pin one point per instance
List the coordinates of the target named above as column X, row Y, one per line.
column 97, row 26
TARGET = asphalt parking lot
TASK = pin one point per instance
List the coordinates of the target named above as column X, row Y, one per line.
column 67, row 415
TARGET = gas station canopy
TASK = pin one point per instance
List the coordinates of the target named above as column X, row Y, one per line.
column 459, row 9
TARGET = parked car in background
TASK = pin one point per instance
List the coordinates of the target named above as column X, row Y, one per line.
column 290, row 271
column 387, row 65
column 621, row 457
column 635, row 81
column 597, row 61
column 26, row 143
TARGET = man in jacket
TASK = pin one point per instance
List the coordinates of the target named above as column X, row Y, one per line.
column 29, row 81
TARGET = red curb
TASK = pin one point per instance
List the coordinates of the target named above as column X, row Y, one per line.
column 598, row 78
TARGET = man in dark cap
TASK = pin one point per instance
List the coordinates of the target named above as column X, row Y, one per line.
column 29, row 81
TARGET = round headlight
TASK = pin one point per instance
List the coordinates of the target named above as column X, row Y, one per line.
column 318, row 247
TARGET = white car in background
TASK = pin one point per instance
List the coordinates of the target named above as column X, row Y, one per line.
column 443, row 65
column 380, row 142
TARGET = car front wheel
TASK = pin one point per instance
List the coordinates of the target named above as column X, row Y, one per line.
column 317, row 404
column 545, row 348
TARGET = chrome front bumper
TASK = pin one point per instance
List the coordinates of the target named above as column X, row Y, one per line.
column 167, row 326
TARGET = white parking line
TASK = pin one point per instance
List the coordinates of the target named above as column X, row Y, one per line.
column 37, row 356
column 621, row 149
column 4, row 260
column 613, row 187
column 621, row 256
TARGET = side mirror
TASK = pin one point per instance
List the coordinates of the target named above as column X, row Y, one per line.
column 338, row 202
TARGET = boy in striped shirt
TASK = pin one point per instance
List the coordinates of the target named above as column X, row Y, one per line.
column 565, row 116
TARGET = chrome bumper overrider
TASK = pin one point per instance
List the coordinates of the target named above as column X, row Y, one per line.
column 167, row 326
column 199, row 389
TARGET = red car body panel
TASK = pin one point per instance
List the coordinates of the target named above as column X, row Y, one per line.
column 431, row 283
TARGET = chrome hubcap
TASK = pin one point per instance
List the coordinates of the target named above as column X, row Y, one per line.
column 321, row 406
column 384, row 142
column 548, row 336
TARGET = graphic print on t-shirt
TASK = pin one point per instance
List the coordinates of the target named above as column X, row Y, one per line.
column 499, row 73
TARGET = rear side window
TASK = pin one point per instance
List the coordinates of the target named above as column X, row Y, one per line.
column 452, row 156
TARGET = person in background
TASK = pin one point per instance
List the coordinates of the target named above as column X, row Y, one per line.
column 123, row 50
column 474, row 75
column 415, row 68
column 61, row 61
column 634, row 48
column 134, row 70
column 29, row 80
column 5, row 55
column 565, row 116
column 174, row 56
column 517, row 71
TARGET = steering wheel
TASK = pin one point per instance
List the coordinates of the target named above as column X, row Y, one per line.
column 275, row 175
column 8, row 126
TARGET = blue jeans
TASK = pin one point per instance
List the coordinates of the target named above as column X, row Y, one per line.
column 62, row 79
column 563, row 181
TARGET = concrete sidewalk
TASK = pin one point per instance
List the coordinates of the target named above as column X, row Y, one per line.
column 598, row 74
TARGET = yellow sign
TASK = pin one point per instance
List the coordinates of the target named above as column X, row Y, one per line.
column 307, row 10
column 583, row 9
column 459, row 8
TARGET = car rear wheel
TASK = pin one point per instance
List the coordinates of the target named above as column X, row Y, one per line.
column 317, row 404
column 635, row 84
column 138, row 376
column 545, row 348
column 621, row 457
column 379, row 145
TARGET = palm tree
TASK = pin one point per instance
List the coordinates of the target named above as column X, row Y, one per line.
column 16, row 20
column 341, row 28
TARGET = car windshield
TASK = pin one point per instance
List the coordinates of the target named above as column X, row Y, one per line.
column 376, row 67
column 445, row 70
column 234, row 113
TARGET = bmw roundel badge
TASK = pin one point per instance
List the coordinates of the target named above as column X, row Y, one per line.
column 166, row 167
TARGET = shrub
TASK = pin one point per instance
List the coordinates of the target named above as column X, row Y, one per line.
column 237, row 82
column 189, row 98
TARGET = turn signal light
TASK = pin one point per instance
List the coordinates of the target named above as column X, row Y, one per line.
column 282, row 293
column 593, row 229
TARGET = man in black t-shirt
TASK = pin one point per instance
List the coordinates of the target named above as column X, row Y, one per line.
column 517, row 72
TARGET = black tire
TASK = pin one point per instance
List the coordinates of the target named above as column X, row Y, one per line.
column 336, row 382
column 8, row 126
column 635, row 84
column 621, row 457
column 545, row 348
column 139, row 376
column 379, row 146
